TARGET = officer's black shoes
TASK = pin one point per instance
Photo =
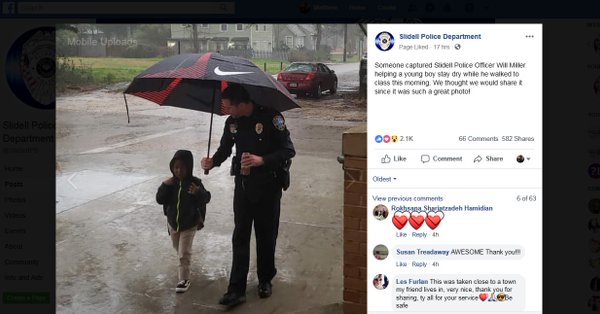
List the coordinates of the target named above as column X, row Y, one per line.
column 265, row 289
column 231, row 299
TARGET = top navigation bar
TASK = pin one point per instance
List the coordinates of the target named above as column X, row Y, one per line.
column 318, row 10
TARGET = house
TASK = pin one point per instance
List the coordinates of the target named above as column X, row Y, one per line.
column 219, row 37
column 296, row 36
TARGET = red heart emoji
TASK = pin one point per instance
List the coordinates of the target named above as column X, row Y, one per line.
column 433, row 219
column 400, row 219
column 483, row 296
column 416, row 219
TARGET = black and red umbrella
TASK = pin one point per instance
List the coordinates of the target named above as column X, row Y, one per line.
column 195, row 81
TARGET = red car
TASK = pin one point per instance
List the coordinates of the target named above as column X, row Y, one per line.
column 308, row 78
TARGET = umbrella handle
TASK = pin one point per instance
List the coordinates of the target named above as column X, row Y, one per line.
column 212, row 114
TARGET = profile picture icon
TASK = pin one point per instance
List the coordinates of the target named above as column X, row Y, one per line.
column 520, row 159
column 381, row 252
column 380, row 212
column 380, row 281
column 594, row 205
column 384, row 41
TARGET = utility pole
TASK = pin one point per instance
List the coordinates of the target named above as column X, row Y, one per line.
column 195, row 38
column 345, row 39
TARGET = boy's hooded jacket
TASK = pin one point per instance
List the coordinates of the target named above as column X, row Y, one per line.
column 183, row 210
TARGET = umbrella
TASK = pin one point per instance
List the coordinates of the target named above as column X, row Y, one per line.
column 195, row 81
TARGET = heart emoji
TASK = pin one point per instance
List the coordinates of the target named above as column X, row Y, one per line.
column 400, row 219
column 483, row 296
column 433, row 219
column 416, row 219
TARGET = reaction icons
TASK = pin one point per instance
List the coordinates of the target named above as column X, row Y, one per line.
column 416, row 219
column 493, row 297
column 433, row 219
column 394, row 138
column 384, row 41
column 380, row 281
column 501, row 297
column 483, row 296
column 380, row 212
column 400, row 219
column 381, row 252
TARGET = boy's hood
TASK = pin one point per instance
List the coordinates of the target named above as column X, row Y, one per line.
column 187, row 158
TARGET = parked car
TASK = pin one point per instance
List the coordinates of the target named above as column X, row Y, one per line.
column 308, row 78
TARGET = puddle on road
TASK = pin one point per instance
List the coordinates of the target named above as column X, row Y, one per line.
column 76, row 188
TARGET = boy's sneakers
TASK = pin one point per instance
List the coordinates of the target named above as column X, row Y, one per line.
column 182, row 286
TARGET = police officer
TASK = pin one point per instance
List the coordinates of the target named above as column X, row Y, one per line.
column 262, row 145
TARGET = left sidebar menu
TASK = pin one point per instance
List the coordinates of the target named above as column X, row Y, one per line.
column 27, row 185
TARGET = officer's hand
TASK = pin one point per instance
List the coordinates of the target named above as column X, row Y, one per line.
column 251, row 160
column 169, row 181
column 207, row 163
column 194, row 189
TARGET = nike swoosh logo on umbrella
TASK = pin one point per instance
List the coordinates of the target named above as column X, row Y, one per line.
column 223, row 73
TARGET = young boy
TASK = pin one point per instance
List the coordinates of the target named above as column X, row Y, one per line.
column 184, row 200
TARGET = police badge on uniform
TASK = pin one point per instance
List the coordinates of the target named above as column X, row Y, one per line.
column 259, row 128
column 233, row 128
column 279, row 123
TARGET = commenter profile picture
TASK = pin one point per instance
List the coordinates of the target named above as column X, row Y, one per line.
column 380, row 281
column 384, row 41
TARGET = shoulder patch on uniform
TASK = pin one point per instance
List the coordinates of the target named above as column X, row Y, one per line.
column 279, row 122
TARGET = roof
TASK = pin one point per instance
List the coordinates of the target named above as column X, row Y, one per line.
column 302, row 29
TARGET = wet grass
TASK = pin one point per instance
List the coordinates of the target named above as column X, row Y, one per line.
column 100, row 72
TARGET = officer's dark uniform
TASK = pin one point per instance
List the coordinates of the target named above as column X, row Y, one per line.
column 257, row 196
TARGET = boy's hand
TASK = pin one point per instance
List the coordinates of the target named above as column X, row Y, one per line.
column 194, row 189
column 207, row 163
column 169, row 181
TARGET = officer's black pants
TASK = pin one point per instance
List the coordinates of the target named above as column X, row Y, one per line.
column 259, row 204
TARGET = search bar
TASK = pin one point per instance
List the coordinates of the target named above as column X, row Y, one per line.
column 125, row 8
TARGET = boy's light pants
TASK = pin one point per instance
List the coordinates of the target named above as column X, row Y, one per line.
column 182, row 243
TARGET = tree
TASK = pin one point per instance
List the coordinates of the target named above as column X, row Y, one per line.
column 319, row 35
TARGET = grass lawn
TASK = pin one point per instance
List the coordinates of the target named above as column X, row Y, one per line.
column 112, row 70
column 338, row 58
column 273, row 66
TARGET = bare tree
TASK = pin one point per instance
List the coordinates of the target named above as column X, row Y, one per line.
column 319, row 36
column 195, row 38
